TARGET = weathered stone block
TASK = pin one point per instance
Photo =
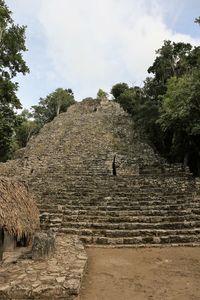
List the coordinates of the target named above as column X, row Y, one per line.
column 43, row 245
column 44, row 220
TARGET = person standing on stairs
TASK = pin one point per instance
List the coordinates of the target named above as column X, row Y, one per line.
column 114, row 167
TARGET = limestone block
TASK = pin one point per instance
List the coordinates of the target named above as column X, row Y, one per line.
column 45, row 220
column 43, row 245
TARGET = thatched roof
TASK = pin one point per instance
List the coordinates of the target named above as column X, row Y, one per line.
column 18, row 211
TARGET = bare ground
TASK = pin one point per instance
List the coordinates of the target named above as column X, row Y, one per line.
column 142, row 274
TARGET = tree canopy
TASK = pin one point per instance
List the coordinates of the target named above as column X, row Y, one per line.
column 12, row 46
column 101, row 94
column 180, row 114
column 26, row 127
column 167, row 108
column 52, row 105
column 118, row 89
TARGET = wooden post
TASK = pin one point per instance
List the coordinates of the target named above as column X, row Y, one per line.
column 1, row 243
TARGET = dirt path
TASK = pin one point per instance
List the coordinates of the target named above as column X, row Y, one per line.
column 142, row 274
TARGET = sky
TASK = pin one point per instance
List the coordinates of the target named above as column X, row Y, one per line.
column 92, row 44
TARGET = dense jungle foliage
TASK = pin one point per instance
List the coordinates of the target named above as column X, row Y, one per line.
column 167, row 108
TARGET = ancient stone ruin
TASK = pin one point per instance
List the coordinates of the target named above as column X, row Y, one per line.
column 95, row 178
column 99, row 183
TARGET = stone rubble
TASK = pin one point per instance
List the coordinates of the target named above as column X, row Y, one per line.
column 58, row 277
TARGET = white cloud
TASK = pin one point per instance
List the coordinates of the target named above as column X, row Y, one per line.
column 94, row 44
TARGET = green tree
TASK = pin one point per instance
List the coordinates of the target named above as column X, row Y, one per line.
column 173, row 59
column 26, row 127
column 101, row 94
column 180, row 113
column 129, row 99
column 12, row 45
column 51, row 106
column 118, row 89
column 175, row 138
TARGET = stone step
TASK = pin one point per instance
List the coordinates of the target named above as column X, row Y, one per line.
column 45, row 206
column 88, row 172
column 105, row 177
column 136, row 203
column 61, row 171
column 84, row 185
column 51, row 213
column 171, row 219
column 84, row 214
column 125, row 211
column 130, row 233
column 96, row 200
column 55, row 220
column 154, row 240
column 131, row 226
column 132, row 207
column 124, row 216
column 87, row 198
column 108, row 183
column 77, row 190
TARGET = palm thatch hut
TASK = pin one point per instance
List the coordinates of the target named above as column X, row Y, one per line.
column 19, row 215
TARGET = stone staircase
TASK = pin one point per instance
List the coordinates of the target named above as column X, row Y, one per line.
column 125, row 210
column 69, row 167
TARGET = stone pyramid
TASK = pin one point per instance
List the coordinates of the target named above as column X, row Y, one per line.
column 95, row 178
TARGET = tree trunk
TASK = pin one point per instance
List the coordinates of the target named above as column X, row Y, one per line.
column 1, row 33
column 58, row 109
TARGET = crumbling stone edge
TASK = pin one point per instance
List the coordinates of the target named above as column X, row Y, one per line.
column 58, row 277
